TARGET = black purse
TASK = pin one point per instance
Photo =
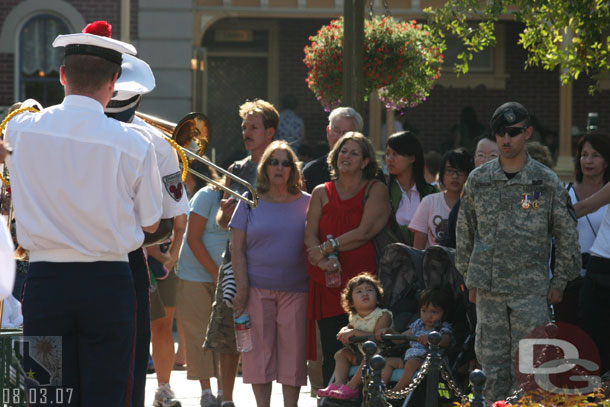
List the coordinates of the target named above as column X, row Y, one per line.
column 389, row 234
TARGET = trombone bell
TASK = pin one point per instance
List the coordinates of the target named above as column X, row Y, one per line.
column 192, row 134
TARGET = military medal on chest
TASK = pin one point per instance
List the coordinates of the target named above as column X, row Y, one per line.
column 536, row 203
column 525, row 202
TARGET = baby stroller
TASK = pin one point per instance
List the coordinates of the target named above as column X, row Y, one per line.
column 403, row 272
column 400, row 272
column 439, row 270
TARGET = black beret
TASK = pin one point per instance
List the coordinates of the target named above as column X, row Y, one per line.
column 508, row 114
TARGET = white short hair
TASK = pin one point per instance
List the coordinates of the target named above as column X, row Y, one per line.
column 348, row 112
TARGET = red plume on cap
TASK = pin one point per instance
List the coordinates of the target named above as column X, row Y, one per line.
column 101, row 28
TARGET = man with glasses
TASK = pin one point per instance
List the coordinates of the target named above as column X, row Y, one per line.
column 340, row 121
column 510, row 210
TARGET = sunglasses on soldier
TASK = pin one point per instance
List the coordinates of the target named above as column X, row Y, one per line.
column 511, row 131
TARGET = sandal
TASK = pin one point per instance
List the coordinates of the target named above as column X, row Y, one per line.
column 344, row 393
column 325, row 392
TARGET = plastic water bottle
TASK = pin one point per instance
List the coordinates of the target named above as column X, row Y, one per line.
column 243, row 336
column 333, row 277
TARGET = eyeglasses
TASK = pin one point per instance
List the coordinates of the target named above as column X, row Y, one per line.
column 511, row 131
column 274, row 162
column 453, row 172
column 487, row 157
column 337, row 131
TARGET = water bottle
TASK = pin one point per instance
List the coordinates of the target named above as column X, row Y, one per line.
column 333, row 277
column 243, row 336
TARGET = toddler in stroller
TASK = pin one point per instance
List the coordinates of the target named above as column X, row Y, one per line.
column 435, row 304
column 360, row 299
column 404, row 272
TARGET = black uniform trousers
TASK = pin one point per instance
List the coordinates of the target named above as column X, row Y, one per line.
column 91, row 307
column 141, row 280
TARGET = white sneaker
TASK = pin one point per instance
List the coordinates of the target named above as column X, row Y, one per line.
column 165, row 397
column 208, row 400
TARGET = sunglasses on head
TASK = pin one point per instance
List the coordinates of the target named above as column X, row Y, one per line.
column 274, row 162
column 511, row 131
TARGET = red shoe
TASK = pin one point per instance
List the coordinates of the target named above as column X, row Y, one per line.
column 325, row 392
column 344, row 393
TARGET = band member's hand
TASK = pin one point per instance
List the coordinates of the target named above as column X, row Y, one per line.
column 472, row 295
column 555, row 296
column 4, row 151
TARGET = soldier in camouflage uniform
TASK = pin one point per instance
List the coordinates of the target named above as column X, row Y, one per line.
column 511, row 208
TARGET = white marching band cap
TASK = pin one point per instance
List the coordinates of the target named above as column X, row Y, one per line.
column 95, row 40
column 136, row 79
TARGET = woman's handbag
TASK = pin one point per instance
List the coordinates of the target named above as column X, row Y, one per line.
column 389, row 234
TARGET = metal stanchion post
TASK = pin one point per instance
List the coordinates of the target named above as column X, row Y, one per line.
column 434, row 339
column 376, row 391
column 477, row 381
column 369, row 348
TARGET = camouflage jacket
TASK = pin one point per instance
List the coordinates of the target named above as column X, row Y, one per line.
column 505, row 227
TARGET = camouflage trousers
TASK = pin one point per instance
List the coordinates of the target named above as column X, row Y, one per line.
column 503, row 320
column 220, row 336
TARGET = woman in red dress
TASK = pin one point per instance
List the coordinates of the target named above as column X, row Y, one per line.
column 338, row 208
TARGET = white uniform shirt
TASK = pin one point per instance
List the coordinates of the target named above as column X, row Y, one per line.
column 83, row 185
column 175, row 201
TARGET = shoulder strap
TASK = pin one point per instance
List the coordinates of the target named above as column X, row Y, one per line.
column 366, row 191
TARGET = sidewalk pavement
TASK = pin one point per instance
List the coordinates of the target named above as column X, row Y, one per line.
column 189, row 392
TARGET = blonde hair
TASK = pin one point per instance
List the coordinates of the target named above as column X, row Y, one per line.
column 295, row 181
column 271, row 118
column 368, row 151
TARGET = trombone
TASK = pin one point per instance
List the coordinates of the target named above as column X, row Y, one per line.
column 193, row 131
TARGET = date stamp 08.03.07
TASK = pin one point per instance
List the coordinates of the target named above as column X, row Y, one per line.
column 37, row 396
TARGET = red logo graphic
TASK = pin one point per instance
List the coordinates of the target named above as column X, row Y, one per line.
column 558, row 358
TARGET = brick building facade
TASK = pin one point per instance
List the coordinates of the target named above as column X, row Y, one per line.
column 170, row 36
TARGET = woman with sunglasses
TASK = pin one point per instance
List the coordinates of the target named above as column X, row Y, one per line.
column 270, row 266
column 404, row 157
column 341, row 223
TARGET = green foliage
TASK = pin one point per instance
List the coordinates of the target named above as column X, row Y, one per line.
column 572, row 35
column 401, row 61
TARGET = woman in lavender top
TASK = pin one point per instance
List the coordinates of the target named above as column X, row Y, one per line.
column 270, row 266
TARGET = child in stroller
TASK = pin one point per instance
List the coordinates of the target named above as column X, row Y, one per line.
column 360, row 299
column 435, row 304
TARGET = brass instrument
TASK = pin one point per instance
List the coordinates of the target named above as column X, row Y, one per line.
column 192, row 131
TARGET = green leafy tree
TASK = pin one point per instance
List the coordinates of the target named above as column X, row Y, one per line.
column 572, row 35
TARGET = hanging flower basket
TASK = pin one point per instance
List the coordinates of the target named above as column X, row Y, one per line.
column 401, row 61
